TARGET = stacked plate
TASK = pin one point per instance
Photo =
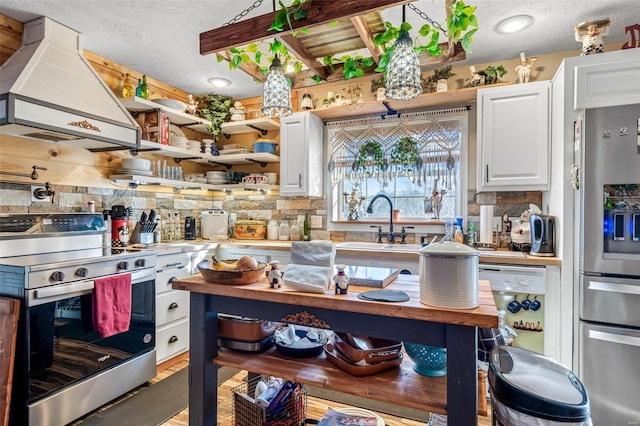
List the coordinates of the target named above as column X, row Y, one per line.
column 135, row 166
column 179, row 142
column 193, row 145
column 216, row 178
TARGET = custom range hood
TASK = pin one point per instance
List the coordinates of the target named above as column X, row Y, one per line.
column 50, row 92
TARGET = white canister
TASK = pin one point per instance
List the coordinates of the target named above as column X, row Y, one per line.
column 273, row 230
column 449, row 275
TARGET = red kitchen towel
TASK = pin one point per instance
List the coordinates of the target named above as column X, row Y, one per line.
column 112, row 304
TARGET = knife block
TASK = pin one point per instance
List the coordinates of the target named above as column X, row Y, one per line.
column 138, row 237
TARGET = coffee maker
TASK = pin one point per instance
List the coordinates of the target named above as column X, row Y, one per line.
column 189, row 228
column 542, row 235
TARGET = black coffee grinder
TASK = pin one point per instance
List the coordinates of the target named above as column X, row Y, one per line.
column 189, row 228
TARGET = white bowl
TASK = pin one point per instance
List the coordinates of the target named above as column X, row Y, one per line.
column 136, row 163
column 171, row 103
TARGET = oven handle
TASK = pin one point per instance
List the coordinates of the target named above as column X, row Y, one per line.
column 614, row 287
column 87, row 286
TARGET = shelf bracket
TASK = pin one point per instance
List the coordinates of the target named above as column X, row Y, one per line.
column 228, row 166
column 262, row 163
column 390, row 111
column 178, row 160
column 133, row 185
column 227, row 135
column 263, row 132
column 135, row 152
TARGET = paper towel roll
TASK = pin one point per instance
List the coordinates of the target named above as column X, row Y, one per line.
column 486, row 224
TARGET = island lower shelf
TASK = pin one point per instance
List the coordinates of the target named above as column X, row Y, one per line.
column 401, row 386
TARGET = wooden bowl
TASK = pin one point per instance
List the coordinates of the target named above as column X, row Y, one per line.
column 359, row 370
column 246, row 276
column 371, row 350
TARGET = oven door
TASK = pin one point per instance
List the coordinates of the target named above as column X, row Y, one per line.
column 62, row 346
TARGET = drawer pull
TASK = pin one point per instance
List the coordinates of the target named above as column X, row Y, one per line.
column 173, row 339
column 169, row 265
column 171, row 280
column 173, row 305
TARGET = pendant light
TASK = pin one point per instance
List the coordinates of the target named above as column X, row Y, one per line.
column 276, row 98
column 403, row 71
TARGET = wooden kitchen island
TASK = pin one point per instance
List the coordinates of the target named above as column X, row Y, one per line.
column 460, row 394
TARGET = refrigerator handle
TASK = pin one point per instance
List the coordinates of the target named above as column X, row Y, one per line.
column 621, row 339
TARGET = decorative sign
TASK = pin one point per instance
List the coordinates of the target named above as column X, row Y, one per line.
column 634, row 33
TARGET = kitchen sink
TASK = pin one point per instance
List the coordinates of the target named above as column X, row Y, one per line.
column 359, row 245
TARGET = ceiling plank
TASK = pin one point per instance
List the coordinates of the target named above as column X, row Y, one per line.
column 302, row 53
column 364, row 31
column 256, row 29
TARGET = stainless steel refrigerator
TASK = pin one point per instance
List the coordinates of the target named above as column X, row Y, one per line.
column 609, row 258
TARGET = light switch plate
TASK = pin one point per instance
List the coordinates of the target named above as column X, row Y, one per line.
column 316, row 222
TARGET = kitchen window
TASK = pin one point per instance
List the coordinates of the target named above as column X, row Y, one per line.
column 412, row 158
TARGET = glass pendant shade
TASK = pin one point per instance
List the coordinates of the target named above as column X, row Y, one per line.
column 403, row 71
column 276, row 98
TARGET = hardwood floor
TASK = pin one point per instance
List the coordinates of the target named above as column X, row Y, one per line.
column 316, row 407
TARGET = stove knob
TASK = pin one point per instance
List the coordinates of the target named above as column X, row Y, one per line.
column 57, row 276
column 123, row 266
column 82, row 272
column 141, row 263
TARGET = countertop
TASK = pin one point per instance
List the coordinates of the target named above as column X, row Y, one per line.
column 410, row 251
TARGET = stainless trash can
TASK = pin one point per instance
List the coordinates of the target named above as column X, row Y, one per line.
column 531, row 389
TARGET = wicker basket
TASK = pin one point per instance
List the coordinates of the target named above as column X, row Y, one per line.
column 247, row 413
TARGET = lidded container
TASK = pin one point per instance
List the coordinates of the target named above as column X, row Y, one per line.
column 273, row 230
column 449, row 275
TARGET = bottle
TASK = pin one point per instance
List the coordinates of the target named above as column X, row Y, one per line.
column 168, row 227
column 127, row 89
column 157, row 231
column 283, row 231
column 458, row 235
column 144, row 90
column 295, row 231
column 177, row 230
column 472, row 235
column 273, row 387
column 272, row 230
column 139, row 89
column 306, row 232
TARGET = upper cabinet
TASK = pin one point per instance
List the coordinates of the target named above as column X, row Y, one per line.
column 609, row 83
column 301, row 163
column 513, row 137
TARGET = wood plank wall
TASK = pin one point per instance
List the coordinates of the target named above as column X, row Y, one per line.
column 78, row 167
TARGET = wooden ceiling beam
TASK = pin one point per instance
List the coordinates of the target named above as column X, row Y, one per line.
column 318, row 12
column 248, row 67
column 365, row 34
column 302, row 53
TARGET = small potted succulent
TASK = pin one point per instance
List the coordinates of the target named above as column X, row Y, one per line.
column 492, row 74
column 438, row 81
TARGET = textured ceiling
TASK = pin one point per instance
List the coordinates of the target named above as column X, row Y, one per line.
column 161, row 37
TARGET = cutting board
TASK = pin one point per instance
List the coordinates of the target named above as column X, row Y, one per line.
column 370, row 276
column 9, row 312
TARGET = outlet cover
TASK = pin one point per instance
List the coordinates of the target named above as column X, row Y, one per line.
column 316, row 222
column 38, row 200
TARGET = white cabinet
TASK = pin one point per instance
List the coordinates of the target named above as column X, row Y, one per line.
column 301, row 162
column 608, row 84
column 513, row 137
column 172, row 306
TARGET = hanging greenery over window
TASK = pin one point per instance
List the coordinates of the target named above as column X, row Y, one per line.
column 370, row 150
column 405, row 153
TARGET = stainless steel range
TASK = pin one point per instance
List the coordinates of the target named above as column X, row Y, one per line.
column 64, row 368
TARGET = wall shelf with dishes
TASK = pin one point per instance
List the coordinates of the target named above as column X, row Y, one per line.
column 137, row 105
column 260, row 125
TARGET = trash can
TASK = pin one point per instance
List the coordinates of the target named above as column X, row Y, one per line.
column 531, row 389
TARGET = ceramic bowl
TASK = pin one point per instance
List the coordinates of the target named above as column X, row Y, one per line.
column 246, row 276
column 370, row 350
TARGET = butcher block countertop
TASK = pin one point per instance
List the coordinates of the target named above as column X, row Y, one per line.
column 485, row 315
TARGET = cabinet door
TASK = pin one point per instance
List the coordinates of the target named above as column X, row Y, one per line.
column 608, row 84
column 301, row 162
column 513, row 137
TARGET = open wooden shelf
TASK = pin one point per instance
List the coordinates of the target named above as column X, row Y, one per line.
column 450, row 97
column 259, row 125
column 400, row 386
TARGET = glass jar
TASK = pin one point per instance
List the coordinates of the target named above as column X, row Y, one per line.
column 273, row 230
column 295, row 233
column 284, row 231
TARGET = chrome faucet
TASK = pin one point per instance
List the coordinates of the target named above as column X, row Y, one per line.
column 391, row 237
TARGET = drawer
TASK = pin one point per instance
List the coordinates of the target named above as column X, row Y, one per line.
column 167, row 276
column 171, row 306
column 172, row 261
column 172, row 340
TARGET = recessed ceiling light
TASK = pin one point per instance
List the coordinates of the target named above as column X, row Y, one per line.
column 514, row 24
column 219, row 82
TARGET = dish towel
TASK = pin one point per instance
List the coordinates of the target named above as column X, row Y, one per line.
column 112, row 304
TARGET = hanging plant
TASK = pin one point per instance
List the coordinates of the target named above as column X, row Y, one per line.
column 405, row 153
column 214, row 108
column 370, row 149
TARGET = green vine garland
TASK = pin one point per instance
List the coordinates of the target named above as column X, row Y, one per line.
column 405, row 153
column 371, row 149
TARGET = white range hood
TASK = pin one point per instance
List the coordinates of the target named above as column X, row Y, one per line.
column 49, row 91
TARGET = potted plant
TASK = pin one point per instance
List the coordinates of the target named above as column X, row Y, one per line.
column 492, row 74
column 405, row 153
column 370, row 149
column 378, row 87
column 437, row 81
column 214, row 108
